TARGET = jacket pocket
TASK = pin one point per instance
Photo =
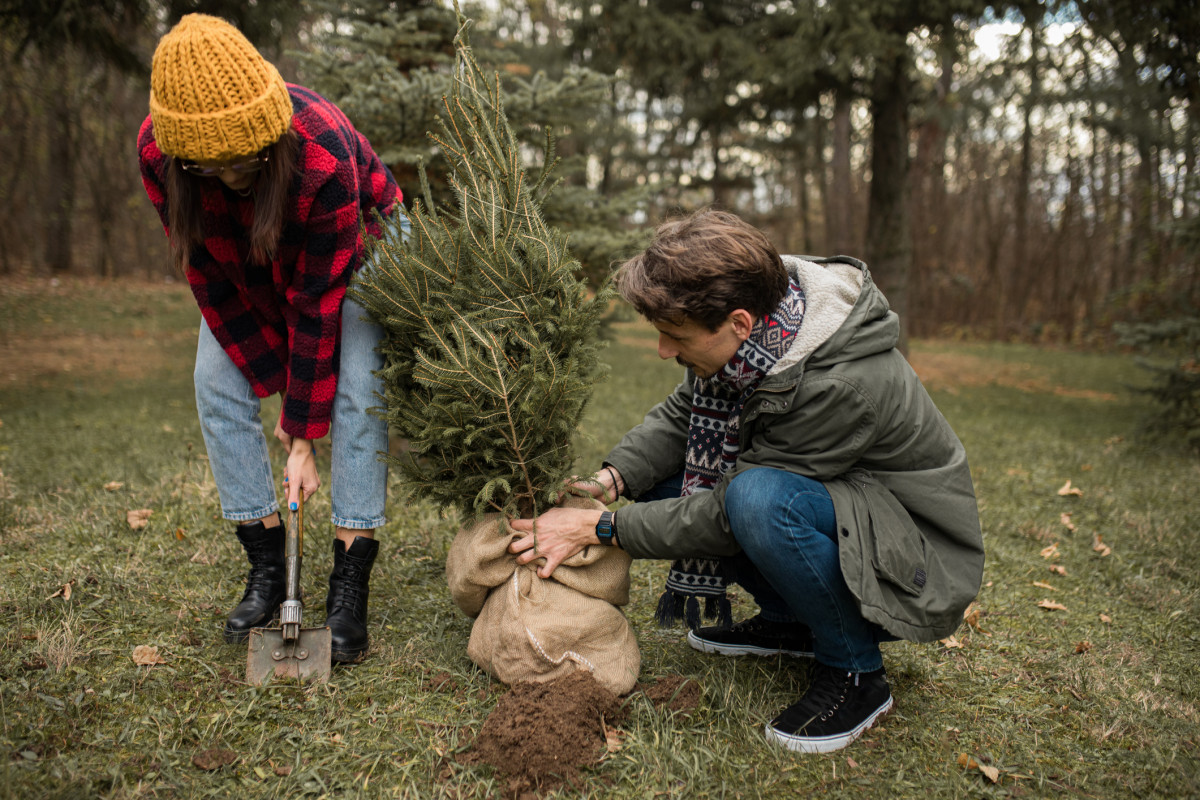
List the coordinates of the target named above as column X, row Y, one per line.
column 897, row 544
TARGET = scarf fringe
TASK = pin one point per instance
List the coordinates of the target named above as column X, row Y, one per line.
column 674, row 607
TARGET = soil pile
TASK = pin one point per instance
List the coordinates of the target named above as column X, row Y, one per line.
column 541, row 734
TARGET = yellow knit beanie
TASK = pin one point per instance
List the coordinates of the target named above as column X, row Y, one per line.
column 213, row 97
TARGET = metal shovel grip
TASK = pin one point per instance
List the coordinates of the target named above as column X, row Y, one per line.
column 291, row 612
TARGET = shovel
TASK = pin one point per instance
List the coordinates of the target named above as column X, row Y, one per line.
column 290, row 651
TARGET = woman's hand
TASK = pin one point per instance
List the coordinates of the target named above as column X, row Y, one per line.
column 301, row 465
column 561, row 533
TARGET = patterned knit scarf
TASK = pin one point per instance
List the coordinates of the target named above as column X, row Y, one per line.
column 713, row 448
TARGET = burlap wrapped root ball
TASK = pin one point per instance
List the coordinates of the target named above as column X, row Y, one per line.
column 532, row 629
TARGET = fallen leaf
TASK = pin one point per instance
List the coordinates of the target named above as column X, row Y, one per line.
column 1100, row 547
column 1043, row 585
column 971, row 617
column 614, row 739
column 1068, row 489
column 950, row 642
column 1083, row 647
column 64, row 592
column 1065, row 519
column 283, row 770
column 213, row 758
column 1050, row 605
column 179, row 534
column 1050, row 551
column 967, row 762
column 138, row 518
column 1106, row 619
column 112, row 486
column 851, row 763
column 1058, row 569
column 146, row 655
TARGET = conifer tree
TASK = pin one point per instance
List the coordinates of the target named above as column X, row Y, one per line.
column 491, row 339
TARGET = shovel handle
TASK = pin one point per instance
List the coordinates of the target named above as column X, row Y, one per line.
column 293, row 551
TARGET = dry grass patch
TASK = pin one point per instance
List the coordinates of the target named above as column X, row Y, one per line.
column 952, row 371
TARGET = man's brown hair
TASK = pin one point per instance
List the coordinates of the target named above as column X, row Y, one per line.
column 703, row 267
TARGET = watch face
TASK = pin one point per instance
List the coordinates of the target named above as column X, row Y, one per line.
column 604, row 528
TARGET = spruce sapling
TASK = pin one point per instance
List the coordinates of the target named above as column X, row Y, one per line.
column 491, row 346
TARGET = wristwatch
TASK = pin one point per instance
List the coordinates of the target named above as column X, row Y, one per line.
column 606, row 528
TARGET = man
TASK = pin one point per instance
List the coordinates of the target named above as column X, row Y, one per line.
column 804, row 454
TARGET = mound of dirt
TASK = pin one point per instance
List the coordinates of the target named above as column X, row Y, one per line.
column 540, row 735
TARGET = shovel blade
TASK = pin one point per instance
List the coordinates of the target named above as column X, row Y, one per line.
column 307, row 658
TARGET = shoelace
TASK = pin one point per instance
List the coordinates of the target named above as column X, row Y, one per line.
column 828, row 697
column 752, row 625
column 351, row 587
column 758, row 625
column 823, row 699
column 260, row 569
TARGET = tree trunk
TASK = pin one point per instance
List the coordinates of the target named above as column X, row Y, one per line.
column 927, row 184
column 839, row 234
column 60, row 170
column 889, row 237
column 1015, row 295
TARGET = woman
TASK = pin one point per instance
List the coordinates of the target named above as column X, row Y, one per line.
column 263, row 188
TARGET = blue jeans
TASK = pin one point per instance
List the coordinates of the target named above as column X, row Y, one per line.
column 787, row 530
column 237, row 448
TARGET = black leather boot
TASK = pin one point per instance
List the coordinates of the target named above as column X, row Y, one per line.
column 266, row 585
column 346, row 605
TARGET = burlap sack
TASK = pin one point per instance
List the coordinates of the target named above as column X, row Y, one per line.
column 533, row 629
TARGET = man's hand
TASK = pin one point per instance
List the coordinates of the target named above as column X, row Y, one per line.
column 561, row 533
column 604, row 485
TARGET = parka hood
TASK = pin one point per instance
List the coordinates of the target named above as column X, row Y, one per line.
column 845, row 318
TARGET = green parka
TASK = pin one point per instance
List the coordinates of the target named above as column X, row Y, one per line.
column 845, row 408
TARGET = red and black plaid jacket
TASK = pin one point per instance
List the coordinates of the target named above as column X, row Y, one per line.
column 281, row 322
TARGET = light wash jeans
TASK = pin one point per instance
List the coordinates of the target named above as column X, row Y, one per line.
column 237, row 448
column 787, row 530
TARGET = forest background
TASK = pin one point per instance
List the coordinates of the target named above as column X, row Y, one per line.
column 1013, row 170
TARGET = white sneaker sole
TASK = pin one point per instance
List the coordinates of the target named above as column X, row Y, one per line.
column 705, row 646
column 825, row 744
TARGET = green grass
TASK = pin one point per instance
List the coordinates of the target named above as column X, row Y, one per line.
column 79, row 719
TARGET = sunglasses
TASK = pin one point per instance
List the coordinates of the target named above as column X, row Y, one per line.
column 252, row 164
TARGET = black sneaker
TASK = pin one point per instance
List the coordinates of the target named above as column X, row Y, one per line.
column 756, row 637
column 835, row 710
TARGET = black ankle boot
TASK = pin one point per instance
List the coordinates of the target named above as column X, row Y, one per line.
column 266, row 584
column 346, row 605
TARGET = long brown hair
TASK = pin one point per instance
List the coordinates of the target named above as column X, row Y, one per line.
column 270, row 203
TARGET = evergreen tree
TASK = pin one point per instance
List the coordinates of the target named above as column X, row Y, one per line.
column 491, row 340
column 387, row 64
